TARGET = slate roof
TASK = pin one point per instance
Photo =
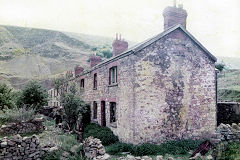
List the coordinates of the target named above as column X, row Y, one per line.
column 148, row 42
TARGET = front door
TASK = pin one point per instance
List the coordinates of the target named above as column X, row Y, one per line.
column 103, row 114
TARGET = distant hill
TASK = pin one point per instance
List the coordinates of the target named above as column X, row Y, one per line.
column 231, row 62
column 28, row 53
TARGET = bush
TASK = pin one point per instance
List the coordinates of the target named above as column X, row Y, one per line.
column 6, row 97
column 103, row 133
column 34, row 95
column 232, row 151
column 181, row 147
column 74, row 107
column 16, row 115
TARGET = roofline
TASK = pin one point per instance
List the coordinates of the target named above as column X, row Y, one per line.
column 146, row 43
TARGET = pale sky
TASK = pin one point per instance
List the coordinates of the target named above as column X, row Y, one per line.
column 215, row 23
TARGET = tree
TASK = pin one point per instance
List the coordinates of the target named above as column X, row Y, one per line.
column 6, row 97
column 74, row 107
column 34, row 95
column 58, row 83
column 220, row 66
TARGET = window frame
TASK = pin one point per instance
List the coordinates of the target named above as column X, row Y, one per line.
column 113, row 75
column 95, row 107
column 95, row 81
column 113, row 110
column 82, row 83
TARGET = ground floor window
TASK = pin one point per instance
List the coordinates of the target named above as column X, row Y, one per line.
column 112, row 112
column 94, row 110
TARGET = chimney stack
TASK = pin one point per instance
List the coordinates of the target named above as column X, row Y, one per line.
column 119, row 45
column 174, row 16
column 94, row 60
column 78, row 70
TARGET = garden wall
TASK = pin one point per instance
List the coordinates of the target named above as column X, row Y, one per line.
column 228, row 112
column 21, row 148
column 31, row 126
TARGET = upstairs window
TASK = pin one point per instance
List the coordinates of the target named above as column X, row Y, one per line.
column 94, row 110
column 113, row 75
column 95, row 81
column 82, row 83
column 112, row 112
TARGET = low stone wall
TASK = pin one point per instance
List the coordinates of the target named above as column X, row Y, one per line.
column 49, row 111
column 93, row 149
column 31, row 126
column 21, row 148
column 225, row 133
column 228, row 112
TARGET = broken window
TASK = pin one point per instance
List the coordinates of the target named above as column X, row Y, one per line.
column 112, row 112
column 94, row 110
column 95, row 81
column 113, row 75
column 82, row 83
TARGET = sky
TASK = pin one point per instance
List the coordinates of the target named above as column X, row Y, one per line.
column 215, row 23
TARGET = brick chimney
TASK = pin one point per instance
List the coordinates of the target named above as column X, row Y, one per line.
column 78, row 70
column 94, row 60
column 174, row 16
column 119, row 45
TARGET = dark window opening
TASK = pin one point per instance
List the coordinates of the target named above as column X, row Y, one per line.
column 113, row 75
column 94, row 110
column 112, row 112
column 82, row 83
column 95, row 81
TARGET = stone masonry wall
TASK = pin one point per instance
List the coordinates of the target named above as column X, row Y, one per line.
column 228, row 112
column 30, row 126
column 175, row 91
column 165, row 91
column 122, row 93
column 21, row 148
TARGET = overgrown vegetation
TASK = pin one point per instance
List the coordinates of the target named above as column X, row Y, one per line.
column 6, row 97
column 232, row 151
column 34, row 95
column 74, row 107
column 103, row 133
column 180, row 147
column 16, row 115
column 64, row 141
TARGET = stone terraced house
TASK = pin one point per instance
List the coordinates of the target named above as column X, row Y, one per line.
column 161, row 89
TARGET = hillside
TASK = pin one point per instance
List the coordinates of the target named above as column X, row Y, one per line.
column 27, row 53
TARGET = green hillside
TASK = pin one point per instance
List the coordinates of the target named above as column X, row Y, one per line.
column 229, row 85
column 28, row 53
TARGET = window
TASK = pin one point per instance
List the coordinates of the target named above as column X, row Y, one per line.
column 112, row 112
column 82, row 83
column 94, row 110
column 95, row 81
column 113, row 75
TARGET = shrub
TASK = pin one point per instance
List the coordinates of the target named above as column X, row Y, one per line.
column 73, row 107
column 232, row 151
column 103, row 133
column 34, row 95
column 181, row 147
column 16, row 115
column 117, row 148
column 6, row 97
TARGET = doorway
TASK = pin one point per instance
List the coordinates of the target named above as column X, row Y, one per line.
column 103, row 113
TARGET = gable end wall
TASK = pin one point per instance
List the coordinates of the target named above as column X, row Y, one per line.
column 175, row 90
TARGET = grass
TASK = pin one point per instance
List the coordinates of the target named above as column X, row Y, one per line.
column 64, row 141
column 229, row 85
column 232, row 151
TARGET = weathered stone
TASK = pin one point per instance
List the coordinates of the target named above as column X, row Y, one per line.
column 130, row 157
column 74, row 148
column 159, row 158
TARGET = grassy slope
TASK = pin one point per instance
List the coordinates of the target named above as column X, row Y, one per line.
column 229, row 85
column 27, row 53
